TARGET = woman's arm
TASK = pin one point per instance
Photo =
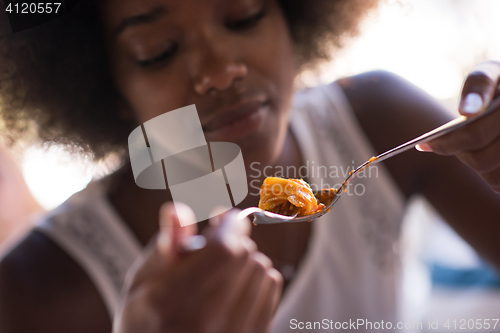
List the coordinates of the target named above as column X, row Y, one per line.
column 44, row 290
column 392, row 111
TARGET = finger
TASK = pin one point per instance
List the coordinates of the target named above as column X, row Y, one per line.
column 473, row 136
column 143, row 267
column 218, row 256
column 164, row 248
column 251, row 294
column 226, row 268
column 206, row 276
column 220, row 262
column 484, row 160
column 273, row 297
column 492, row 178
column 172, row 232
column 227, row 244
column 226, row 225
column 479, row 88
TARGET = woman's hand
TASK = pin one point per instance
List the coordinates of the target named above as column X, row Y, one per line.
column 226, row 286
column 477, row 144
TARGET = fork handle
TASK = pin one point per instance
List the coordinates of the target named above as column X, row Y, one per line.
column 437, row 132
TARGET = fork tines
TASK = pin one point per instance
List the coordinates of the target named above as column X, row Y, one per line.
column 286, row 209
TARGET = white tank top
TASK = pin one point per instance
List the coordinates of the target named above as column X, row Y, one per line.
column 351, row 268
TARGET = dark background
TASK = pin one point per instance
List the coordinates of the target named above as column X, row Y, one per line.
column 22, row 21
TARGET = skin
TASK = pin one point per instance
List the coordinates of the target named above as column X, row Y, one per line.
column 477, row 144
column 213, row 64
column 217, row 68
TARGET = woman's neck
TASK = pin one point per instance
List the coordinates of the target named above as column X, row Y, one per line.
column 290, row 156
column 138, row 207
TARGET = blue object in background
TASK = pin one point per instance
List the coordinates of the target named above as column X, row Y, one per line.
column 482, row 276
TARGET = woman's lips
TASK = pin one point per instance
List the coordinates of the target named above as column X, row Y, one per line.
column 236, row 122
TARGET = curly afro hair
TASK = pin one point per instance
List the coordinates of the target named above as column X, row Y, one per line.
column 55, row 83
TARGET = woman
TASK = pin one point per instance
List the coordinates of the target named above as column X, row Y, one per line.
column 236, row 61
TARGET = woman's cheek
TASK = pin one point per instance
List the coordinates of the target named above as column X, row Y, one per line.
column 152, row 94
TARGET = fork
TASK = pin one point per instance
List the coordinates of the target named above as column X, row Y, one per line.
column 329, row 197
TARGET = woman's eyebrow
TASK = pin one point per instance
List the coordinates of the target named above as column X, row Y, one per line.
column 151, row 16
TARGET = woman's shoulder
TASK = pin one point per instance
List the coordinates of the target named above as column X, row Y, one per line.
column 384, row 96
column 44, row 290
column 378, row 98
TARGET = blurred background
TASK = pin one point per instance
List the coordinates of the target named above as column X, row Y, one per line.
column 433, row 44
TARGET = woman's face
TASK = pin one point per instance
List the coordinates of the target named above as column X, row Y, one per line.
column 231, row 58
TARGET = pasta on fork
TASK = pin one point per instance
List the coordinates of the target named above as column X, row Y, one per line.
column 276, row 191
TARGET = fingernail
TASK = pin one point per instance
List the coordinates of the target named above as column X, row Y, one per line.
column 193, row 243
column 227, row 222
column 424, row 147
column 184, row 214
column 215, row 217
column 473, row 103
column 163, row 242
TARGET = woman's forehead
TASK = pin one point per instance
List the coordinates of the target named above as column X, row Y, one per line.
column 118, row 13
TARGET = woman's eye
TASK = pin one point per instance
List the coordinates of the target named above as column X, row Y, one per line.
column 161, row 58
column 246, row 23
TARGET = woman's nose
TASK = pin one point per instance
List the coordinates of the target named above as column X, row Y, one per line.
column 217, row 72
